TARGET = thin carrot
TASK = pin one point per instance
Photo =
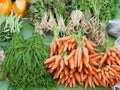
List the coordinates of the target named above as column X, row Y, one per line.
column 108, row 61
column 51, row 64
column 73, row 81
column 96, row 81
column 113, row 54
column 70, row 84
column 90, row 69
column 66, row 70
column 62, row 80
column 65, row 46
column 86, row 84
column 81, row 65
column 108, row 52
column 85, row 76
column 76, row 59
column 66, row 84
column 65, row 38
column 88, row 45
column 61, row 74
column 90, row 80
column 73, row 45
column 51, row 59
column 103, row 59
column 117, row 60
column 85, row 54
column 85, row 70
column 71, row 63
column 96, row 58
column 59, row 81
column 93, row 62
column 92, row 44
column 70, row 46
column 107, row 74
column 93, row 55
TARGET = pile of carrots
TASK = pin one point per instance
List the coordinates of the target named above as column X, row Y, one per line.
column 72, row 64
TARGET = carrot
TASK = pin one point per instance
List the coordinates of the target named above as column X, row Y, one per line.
column 62, row 80
column 57, row 62
column 65, row 60
column 92, row 44
column 113, row 54
column 80, row 66
column 107, row 74
column 70, row 46
column 73, row 45
column 88, row 46
column 118, row 54
column 85, row 70
column 111, row 58
column 79, row 51
column 86, row 83
column 71, row 75
column 68, row 57
column 116, row 67
column 66, row 84
column 100, row 76
column 66, row 70
column 50, row 64
column 111, row 73
column 76, row 59
column 108, row 52
column 50, row 70
column 103, row 59
column 65, row 46
column 96, row 58
column 117, row 60
column 77, row 76
column 93, row 84
column 51, row 59
column 93, row 56
column 90, row 69
column 70, row 84
column 59, row 81
column 71, row 63
column 61, row 74
column 85, row 76
column 96, row 81
column 72, row 70
column 113, row 49
column 93, row 62
column 90, row 80
column 56, row 75
column 111, row 69
column 73, row 81
column 62, row 65
column 66, row 77
column 65, row 38
column 108, row 61
column 85, row 54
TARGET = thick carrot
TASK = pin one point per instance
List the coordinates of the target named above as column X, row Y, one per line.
column 71, row 63
column 116, row 67
column 108, row 52
column 77, row 76
column 93, row 56
column 76, row 59
column 57, row 62
column 51, row 59
column 117, row 60
column 68, row 57
column 66, row 70
column 107, row 74
column 62, row 65
column 85, row 54
column 103, row 59
column 93, row 62
column 79, row 51
column 108, row 61
column 111, row 58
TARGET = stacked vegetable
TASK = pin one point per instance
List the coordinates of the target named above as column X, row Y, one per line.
column 76, row 60
column 24, row 63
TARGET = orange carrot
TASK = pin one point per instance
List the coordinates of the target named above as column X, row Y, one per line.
column 73, row 45
column 108, row 61
column 66, row 70
column 90, row 80
column 93, row 62
column 62, row 65
column 70, row 84
column 70, row 46
column 96, row 81
column 81, row 65
column 77, row 76
column 107, row 74
column 61, row 74
column 73, row 81
column 90, row 69
column 86, row 56
column 66, row 84
column 85, row 76
column 93, row 56
column 88, row 46
column 111, row 73
column 51, row 59
column 79, row 51
column 57, row 62
column 117, row 60
column 65, row 38
column 59, row 81
column 85, row 70
column 92, row 44
column 62, row 80
column 70, row 55
column 51, row 64
column 116, row 67
column 71, row 63
column 76, row 59
column 108, row 52
column 111, row 58
column 103, row 59
column 86, row 84
column 65, row 46
column 113, row 54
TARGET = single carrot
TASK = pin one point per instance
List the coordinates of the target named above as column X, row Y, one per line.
column 111, row 73
column 66, row 77
column 118, row 54
column 57, row 62
column 56, row 75
column 81, row 65
column 84, row 77
column 61, row 74
column 113, row 54
column 71, row 63
column 70, row 84
column 62, row 80
column 108, row 61
column 50, row 70
column 70, row 46
column 65, row 38
column 65, row 46
column 76, row 59
column 108, row 52
column 107, row 74
column 51, row 59
column 88, row 45
column 66, row 70
column 85, row 54
column 93, row 56
column 65, row 60
column 62, row 65
column 60, row 50
column 90, row 80
column 114, row 71
column 93, row 84
column 66, row 84
column 92, row 44
column 93, row 62
column 85, row 70
column 71, row 75
column 73, row 45
column 111, row 58
column 103, row 59
column 86, row 83
column 79, row 51
column 73, row 81
column 96, row 58
column 113, row 49
column 59, row 81
column 117, row 60
column 90, row 69
column 77, row 76
column 68, row 57
column 116, row 67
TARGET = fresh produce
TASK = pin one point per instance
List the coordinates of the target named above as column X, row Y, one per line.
column 8, row 26
column 5, row 6
column 75, row 60
column 20, row 7
column 24, row 63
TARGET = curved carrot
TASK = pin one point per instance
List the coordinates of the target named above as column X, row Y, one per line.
column 86, row 56
column 57, row 62
column 51, row 59
column 103, row 59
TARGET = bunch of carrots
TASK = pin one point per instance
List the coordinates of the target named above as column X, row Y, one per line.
column 72, row 64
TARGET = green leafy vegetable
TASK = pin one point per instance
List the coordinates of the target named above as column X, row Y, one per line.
column 24, row 63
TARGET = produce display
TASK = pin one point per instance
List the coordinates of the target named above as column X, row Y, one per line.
column 47, row 44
